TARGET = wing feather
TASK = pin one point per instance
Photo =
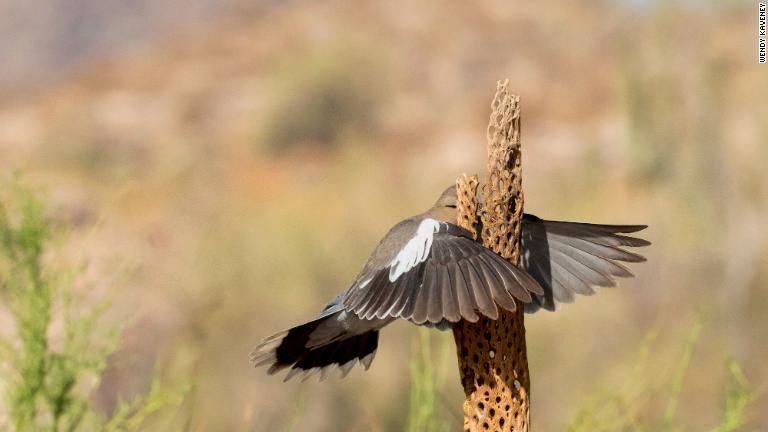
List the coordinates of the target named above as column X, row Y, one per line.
column 423, row 292
column 436, row 308
column 464, row 289
column 504, row 283
column 480, row 291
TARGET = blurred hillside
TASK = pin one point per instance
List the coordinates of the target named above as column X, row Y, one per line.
column 239, row 170
column 48, row 41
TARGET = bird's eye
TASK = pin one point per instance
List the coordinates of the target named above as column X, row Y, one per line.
column 451, row 205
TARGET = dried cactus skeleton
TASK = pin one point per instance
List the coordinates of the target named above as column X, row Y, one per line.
column 492, row 353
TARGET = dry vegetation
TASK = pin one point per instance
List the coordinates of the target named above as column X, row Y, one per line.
column 242, row 172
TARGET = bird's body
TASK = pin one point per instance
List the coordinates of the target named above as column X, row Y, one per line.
column 431, row 272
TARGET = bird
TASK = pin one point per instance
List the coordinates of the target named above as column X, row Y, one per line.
column 430, row 271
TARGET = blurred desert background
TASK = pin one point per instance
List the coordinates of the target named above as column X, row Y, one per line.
column 222, row 168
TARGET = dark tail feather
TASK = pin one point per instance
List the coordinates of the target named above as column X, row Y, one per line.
column 285, row 348
column 344, row 354
column 288, row 349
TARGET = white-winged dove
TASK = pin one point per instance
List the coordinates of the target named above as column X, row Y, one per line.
column 429, row 271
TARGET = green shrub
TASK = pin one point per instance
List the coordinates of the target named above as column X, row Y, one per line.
column 48, row 389
column 629, row 407
column 422, row 416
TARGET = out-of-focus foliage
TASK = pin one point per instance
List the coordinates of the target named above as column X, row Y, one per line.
column 322, row 95
column 47, row 387
column 635, row 405
column 423, row 414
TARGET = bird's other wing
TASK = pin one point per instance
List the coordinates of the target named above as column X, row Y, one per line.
column 439, row 274
column 569, row 258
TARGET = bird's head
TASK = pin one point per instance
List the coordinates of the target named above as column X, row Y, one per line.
column 444, row 208
column 447, row 198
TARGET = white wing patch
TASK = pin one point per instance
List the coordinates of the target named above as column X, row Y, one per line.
column 415, row 251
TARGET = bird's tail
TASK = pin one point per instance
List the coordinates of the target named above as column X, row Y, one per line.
column 299, row 349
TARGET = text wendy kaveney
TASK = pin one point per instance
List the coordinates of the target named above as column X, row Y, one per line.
column 761, row 33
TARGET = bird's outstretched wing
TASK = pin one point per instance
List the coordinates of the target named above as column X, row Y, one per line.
column 439, row 274
column 569, row 258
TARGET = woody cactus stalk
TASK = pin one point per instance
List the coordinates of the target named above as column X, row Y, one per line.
column 492, row 355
